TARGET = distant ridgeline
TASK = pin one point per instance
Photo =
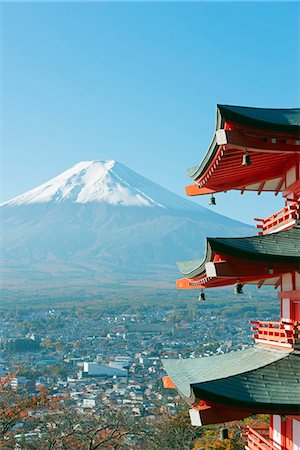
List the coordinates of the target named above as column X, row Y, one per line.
column 98, row 226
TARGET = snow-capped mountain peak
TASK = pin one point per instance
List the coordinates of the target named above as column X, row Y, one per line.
column 99, row 225
column 94, row 181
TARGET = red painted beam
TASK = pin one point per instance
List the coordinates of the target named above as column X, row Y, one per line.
column 195, row 189
column 168, row 383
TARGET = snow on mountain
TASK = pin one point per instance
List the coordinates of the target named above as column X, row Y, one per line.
column 98, row 181
column 101, row 222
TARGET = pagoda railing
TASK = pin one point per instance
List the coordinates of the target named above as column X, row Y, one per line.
column 286, row 335
column 282, row 219
column 257, row 439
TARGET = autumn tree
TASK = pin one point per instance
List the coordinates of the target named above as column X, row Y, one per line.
column 55, row 423
column 16, row 407
column 173, row 431
column 70, row 429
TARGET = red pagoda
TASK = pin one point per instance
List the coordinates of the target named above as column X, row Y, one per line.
column 253, row 149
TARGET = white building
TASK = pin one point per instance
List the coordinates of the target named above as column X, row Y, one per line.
column 101, row 370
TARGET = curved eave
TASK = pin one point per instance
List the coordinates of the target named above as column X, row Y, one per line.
column 206, row 282
column 255, row 379
column 194, row 268
column 186, row 373
column 281, row 248
column 195, row 172
column 222, row 167
column 226, row 171
column 223, row 160
column 262, row 407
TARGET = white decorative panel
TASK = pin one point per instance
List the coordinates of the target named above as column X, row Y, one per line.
column 277, row 431
column 286, row 309
column 272, row 185
column 297, row 280
column 195, row 417
column 296, row 434
column 291, row 176
column 287, row 282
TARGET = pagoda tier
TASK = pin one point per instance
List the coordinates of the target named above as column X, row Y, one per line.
column 246, row 260
column 253, row 149
column 238, row 384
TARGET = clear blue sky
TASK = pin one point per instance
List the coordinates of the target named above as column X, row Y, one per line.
column 139, row 83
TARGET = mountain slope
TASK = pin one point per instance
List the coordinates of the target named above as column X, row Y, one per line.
column 99, row 223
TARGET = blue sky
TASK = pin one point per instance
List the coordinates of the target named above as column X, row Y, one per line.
column 139, row 83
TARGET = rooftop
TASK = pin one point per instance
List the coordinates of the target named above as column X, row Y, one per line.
column 254, row 257
column 261, row 378
column 271, row 138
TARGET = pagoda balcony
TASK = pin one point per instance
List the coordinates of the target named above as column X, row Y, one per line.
column 281, row 220
column 258, row 439
column 276, row 333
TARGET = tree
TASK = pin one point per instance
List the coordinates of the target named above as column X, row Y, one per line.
column 54, row 423
column 70, row 429
column 16, row 407
column 173, row 432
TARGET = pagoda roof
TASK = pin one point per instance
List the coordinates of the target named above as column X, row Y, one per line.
column 271, row 137
column 259, row 378
column 282, row 246
column 287, row 120
column 279, row 251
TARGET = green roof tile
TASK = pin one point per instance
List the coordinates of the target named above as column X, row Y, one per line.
column 260, row 378
column 281, row 390
column 266, row 118
column 283, row 246
column 185, row 372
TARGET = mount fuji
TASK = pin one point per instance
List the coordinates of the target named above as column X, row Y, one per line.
column 99, row 225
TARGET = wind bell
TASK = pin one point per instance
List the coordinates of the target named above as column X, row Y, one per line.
column 246, row 159
column 212, row 201
column 201, row 296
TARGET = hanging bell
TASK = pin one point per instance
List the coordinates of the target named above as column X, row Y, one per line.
column 238, row 289
column 212, row 200
column 224, row 434
column 201, row 296
column 246, row 159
